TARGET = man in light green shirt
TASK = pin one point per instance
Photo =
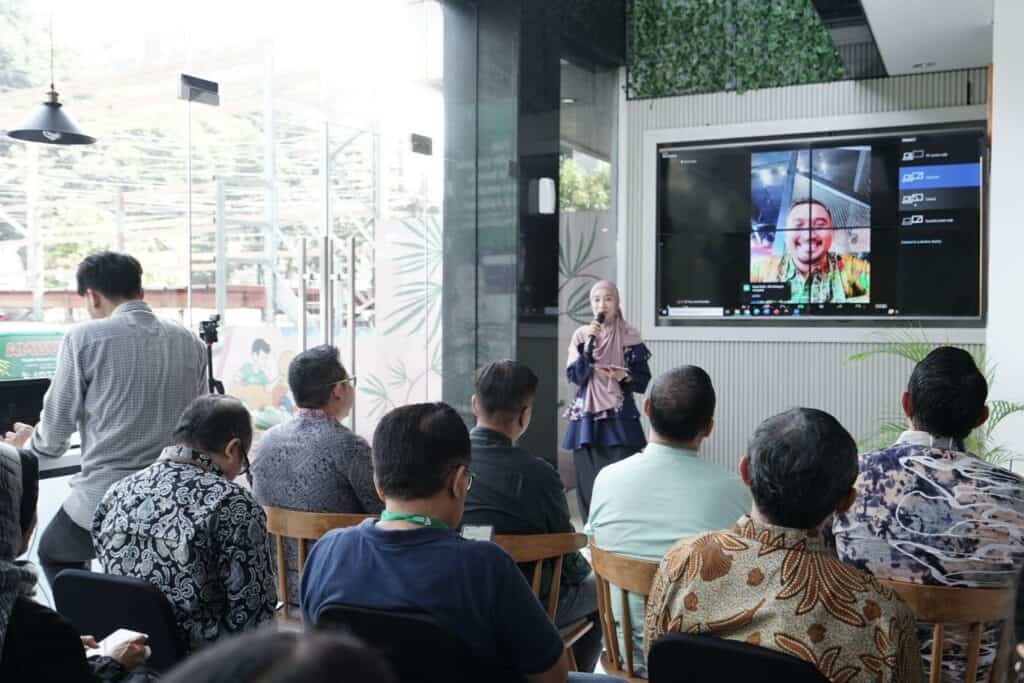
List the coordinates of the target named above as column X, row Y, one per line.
column 642, row 505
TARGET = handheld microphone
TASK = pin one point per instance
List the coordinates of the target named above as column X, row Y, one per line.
column 593, row 340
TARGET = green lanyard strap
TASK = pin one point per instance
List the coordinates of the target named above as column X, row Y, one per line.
column 421, row 520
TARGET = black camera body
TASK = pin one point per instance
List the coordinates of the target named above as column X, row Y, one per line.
column 208, row 329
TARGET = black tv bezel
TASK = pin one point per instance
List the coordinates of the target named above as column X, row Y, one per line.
column 863, row 135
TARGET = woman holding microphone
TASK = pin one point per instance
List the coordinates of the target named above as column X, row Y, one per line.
column 608, row 362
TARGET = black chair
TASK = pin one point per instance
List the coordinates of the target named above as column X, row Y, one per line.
column 416, row 646
column 99, row 604
column 682, row 658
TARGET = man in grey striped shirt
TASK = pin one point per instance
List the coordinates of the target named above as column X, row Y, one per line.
column 122, row 381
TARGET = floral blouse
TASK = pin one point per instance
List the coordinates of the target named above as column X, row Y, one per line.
column 928, row 512
column 196, row 536
column 784, row 589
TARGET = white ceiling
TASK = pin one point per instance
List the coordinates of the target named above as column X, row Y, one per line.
column 939, row 35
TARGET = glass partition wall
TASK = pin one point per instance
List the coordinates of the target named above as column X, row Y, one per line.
column 316, row 184
column 314, row 209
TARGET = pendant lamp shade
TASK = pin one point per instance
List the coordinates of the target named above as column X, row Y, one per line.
column 51, row 125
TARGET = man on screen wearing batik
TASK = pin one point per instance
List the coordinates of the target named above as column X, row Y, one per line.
column 816, row 274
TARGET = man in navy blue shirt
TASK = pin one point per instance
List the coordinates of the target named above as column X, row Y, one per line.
column 413, row 560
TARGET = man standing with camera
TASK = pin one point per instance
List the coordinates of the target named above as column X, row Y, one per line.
column 122, row 381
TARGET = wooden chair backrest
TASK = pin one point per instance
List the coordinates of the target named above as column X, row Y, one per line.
column 629, row 575
column 940, row 605
column 537, row 548
column 301, row 527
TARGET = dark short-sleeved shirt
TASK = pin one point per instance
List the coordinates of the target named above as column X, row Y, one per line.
column 471, row 588
column 519, row 494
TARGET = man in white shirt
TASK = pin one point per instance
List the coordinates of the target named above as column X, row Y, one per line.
column 122, row 381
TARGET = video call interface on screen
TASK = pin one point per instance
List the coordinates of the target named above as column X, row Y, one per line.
column 866, row 226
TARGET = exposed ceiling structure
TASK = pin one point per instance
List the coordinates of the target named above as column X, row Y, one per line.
column 915, row 36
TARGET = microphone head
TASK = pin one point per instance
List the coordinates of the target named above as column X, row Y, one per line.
column 600, row 318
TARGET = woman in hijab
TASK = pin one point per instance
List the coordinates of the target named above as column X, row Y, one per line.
column 36, row 643
column 608, row 362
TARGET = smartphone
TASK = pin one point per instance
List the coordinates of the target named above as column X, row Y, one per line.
column 478, row 532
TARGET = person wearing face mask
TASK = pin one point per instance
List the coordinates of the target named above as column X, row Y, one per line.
column 608, row 362
column 313, row 462
column 815, row 274
column 183, row 525
column 36, row 643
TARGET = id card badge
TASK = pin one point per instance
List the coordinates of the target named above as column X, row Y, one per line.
column 478, row 532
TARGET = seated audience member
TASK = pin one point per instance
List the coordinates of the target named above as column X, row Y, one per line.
column 36, row 643
column 518, row 493
column 413, row 560
column 270, row 656
column 185, row 527
column 773, row 581
column 929, row 512
column 644, row 504
column 313, row 462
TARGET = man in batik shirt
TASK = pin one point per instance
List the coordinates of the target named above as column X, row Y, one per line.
column 772, row 581
column 929, row 512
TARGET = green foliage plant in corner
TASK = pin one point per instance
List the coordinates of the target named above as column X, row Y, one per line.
column 686, row 47
column 913, row 345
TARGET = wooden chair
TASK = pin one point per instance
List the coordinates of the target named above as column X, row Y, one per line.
column 940, row 605
column 629, row 575
column 301, row 527
column 537, row 548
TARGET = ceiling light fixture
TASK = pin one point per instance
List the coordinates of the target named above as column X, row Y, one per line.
column 50, row 124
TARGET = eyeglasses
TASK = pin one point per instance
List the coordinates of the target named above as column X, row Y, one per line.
column 347, row 380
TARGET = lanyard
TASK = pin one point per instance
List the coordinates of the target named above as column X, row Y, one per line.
column 421, row 520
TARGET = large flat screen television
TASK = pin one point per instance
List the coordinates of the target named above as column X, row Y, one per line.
column 864, row 226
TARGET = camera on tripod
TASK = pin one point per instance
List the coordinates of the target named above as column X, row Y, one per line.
column 208, row 333
column 208, row 329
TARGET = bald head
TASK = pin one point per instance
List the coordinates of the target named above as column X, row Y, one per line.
column 681, row 405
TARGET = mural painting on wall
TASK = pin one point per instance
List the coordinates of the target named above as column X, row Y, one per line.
column 405, row 364
column 252, row 362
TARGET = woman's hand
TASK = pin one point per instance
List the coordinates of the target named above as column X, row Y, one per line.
column 595, row 329
column 89, row 643
column 131, row 653
column 619, row 375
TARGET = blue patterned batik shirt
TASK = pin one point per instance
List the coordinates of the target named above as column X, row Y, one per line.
column 927, row 512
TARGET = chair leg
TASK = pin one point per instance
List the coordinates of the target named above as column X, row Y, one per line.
column 572, row 659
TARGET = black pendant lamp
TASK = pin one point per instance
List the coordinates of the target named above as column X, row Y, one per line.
column 50, row 124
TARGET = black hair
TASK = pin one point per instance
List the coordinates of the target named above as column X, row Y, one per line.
column 815, row 202
column 504, row 386
column 947, row 393
column 682, row 403
column 311, row 374
column 259, row 345
column 115, row 276
column 211, row 421
column 802, row 464
column 415, row 447
column 271, row 656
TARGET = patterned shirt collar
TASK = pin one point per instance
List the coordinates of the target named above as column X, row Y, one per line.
column 313, row 413
column 205, row 461
column 945, row 443
column 782, row 538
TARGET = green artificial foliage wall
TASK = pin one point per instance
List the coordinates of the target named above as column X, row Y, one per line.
column 685, row 47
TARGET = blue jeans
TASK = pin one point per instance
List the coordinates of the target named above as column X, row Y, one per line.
column 577, row 677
